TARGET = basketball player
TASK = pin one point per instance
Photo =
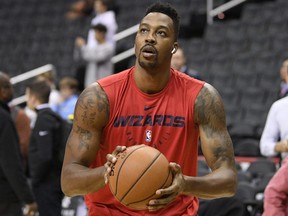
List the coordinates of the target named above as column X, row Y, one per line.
column 151, row 99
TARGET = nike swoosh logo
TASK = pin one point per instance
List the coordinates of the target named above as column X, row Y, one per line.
column 148, row 107
column 43, row 133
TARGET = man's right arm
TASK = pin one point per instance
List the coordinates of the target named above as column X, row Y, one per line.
column 90, row 117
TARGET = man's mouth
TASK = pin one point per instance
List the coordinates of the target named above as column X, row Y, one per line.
column 149, row 51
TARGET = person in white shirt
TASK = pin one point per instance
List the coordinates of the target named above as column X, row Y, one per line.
column 274, row 139
column 98, row 58
column 106, row 17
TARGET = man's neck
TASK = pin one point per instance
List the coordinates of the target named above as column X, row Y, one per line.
column 151, row 82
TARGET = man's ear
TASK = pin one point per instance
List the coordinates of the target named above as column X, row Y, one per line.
column 175, row 47
column 173, row 50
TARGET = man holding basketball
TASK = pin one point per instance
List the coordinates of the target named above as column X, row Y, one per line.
column 152, row 104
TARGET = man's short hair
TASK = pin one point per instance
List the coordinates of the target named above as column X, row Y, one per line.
column 41, row 89
column 69, row 82
column 167, row 9
column 100, row 27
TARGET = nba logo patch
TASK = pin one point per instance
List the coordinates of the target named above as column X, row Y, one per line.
column 148, row 135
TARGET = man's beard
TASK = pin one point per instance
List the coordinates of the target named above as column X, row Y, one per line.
column 149, row 65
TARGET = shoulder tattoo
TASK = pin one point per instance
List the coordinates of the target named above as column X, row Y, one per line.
column 93, row 101
column 209, row 109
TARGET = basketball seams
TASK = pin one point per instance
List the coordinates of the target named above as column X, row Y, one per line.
column 143, row 173
column 123, row 162
column 147, row 198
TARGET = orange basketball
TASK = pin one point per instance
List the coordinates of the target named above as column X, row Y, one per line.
column 139, row 171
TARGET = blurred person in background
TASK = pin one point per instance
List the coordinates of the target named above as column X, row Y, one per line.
column 284, row 79
column 50, row 78
column 97, row 58
column 54, row 98
column 80, row 8
column 44, row 166
column 274, row 139
column 14, row 187
column 103, row 15
column 22, row 124
column 106, row 16
column 276, row 192
column 68, row 87
column 178, row 62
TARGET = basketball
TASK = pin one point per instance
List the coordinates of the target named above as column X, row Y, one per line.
column 140, row 170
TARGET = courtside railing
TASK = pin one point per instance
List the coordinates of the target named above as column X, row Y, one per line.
column 220, row 9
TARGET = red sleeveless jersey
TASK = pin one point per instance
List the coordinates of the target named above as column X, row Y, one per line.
column 163, row 121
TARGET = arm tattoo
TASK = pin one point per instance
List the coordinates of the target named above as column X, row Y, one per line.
column 209, row 111
column 93, row 101
column 91, row 115
column 84, row 136
column 210, row 114
column 224, row 152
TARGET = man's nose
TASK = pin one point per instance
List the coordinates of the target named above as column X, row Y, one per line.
column 150, row 38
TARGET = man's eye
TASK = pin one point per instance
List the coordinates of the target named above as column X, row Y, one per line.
column 143, row 30
column 162, row 33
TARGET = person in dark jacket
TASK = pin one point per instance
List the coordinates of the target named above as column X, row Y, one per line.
column 15, row 191
column 44, row 168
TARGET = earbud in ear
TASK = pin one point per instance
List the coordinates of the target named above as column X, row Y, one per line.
column 173, row 50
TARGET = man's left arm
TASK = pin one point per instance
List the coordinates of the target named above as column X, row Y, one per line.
column 216, row 146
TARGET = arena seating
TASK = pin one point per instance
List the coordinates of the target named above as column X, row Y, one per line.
column 234, row 55
column 250, row 66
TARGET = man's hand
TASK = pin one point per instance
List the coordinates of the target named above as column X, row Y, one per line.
column 79, row 42
column 111, row 160
column 285, row 145
column 281, row 146
column 169, row 194
column 30, row 209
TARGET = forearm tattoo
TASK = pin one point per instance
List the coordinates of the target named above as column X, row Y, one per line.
column 224, row 152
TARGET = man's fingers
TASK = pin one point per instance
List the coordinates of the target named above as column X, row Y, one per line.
column 111, row 158
column 118, row 149
column 175, row 167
